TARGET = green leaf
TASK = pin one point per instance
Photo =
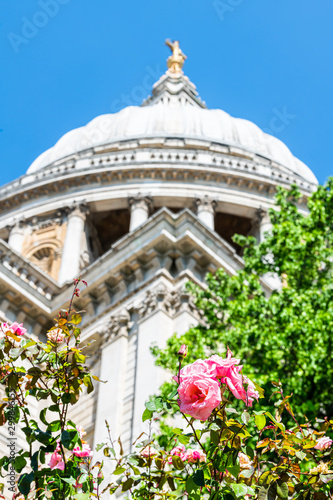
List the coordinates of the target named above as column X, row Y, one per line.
column 215, row 437
column 177, row 431
column 82, row 496
column 69, row 439
column 199, row 478
column 190, row 485
column 76, row 319
column 184, row 439
column 173, row 393
column 66, row 398
column 282, row 490
column 54, row 426
column 43, row 437
column 234, row 470
column 19, row 463
column 260, row 421
column 147, row 415
column 69, row 480
column 88, row 383
column 177, row 462
column 245, row 417
column 262, row 494
column 24, row 483
column 42, row 416
column 280, row 425
column 127, row 485
column 119, row 470
column 240, row 490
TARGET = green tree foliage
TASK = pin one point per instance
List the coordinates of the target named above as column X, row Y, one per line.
column 284, row 335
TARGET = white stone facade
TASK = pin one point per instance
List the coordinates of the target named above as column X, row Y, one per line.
column 138, row 202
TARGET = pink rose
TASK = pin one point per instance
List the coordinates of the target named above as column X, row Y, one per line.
column 199, row 389
column 199, row 367
column 56, row 461
column 198, row 393
column 84, row 452
column 56, row 336
column 179, row 451
column 230, row 374
column 148, row 452
column 220, row 367
column 193, row 456
column 15, row 328
column 323, row 443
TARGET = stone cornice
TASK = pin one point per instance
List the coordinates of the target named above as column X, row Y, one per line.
column 171, row 160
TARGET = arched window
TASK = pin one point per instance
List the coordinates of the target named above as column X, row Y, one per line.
column 44, row 259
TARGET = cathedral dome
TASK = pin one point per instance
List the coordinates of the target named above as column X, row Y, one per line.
column 175, row 111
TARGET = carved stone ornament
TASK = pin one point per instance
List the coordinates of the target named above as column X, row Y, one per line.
column 170, row 301
column 116, row 326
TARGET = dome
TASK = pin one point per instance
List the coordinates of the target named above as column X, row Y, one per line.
column 174, row 111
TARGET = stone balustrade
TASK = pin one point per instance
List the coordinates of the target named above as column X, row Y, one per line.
column 27, row 272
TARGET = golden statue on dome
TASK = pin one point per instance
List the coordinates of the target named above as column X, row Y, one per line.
column 176, row 60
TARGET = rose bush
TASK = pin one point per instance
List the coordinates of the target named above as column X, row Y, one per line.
column 221, row 452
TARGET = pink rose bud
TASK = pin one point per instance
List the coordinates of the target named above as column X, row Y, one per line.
column 183, row 351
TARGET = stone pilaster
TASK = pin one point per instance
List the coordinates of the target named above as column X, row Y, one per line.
column 113, row 372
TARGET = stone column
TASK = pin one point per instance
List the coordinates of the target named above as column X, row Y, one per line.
column 16, row 237
column 206, row 210
column 265, row 225
column 70, row 260
column 139, row 210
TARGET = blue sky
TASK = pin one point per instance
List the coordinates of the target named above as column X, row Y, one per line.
column 66, row 61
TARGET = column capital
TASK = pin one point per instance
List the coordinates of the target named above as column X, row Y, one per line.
column 262, row 216
column 77, row 210
column 140, row 201
column 16, row 225
column 205, row 203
